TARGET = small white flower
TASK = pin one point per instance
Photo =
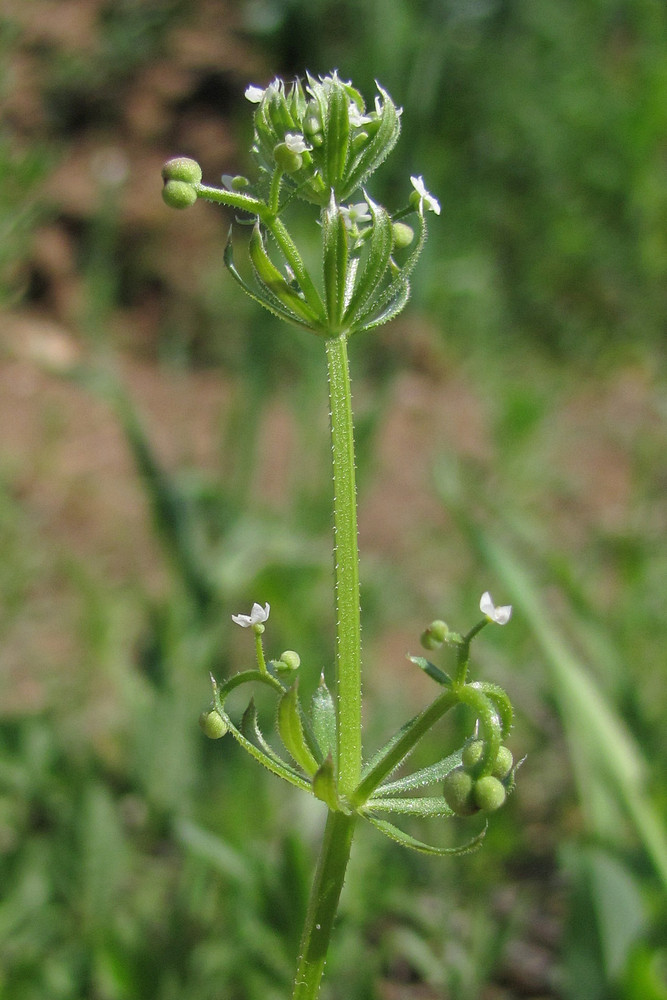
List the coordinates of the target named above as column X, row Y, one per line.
column 296, row 143
column 254, row 94
column 425, row 198
column 257, row 616
column 500, row 616
column 354, row 214
column 356, row 118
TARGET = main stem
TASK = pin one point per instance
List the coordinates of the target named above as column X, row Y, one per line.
column 337, row 841
column 348, row 617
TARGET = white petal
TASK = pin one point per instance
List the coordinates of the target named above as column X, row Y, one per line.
column 500, row 615
column 242, row 620
column 254, row 94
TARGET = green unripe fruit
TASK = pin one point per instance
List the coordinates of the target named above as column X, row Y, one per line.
column 458, row 788
column 179, row 194
column 434, row 636
column 212, row 724
column 504, row 763
column 286, row 159
column 182, row 168
column 472, row 754
column 403, row 235
column 289, row 661
column 488, row 793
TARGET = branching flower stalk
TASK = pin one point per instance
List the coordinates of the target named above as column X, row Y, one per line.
column 317, row 141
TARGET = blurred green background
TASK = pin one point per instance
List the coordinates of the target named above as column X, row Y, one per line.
column 164, row 462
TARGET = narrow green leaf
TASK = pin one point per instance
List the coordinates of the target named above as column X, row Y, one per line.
column 375, row 264
column 323, row 718
column 430, row 775
column 250, row 729
column 324, row 784
column 336, row 136
column 372, row 155
column 272, row 304
column 387, row 313
column 422, row 806
column 335, row 260
column 273, row 281
column 430, row 668
column 393, row 832
column 291, row 730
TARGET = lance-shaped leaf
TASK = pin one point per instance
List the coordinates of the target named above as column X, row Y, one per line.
column 406, row 840
column 386, row 312
column 323, row 719
column 336, row 135
column 435, row 673
column 324, row 785
column 423, row 806
column 369, row 275
column 376, row 151
column 431, row 775
column 335, row 260
column 250, row 729
column 271, row 303
column 273, row 282
column 291, row 732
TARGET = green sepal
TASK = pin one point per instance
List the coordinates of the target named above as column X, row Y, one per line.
column 431, row 775
column 273, row 282
column 323, row 719
column 424, row 806
column 435, row 673
column 335, row 259
column 272, row 304
column 291, row 732
column 375, row 264
column 406, row 840
column 336, row 136
column 324, row 785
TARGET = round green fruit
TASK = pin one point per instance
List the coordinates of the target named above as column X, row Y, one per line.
column 488, row 793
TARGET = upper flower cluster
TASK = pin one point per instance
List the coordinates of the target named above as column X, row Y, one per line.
column 321, row 135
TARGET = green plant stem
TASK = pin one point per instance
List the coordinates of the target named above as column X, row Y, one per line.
column 325, row 893
column 348, row 617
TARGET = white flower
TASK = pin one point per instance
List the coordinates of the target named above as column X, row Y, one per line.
column 356, row 118
column 425, row 198
column 500, row 616
column 254, row 94
column 258, row 615
column 296, row 143
column 354, row 214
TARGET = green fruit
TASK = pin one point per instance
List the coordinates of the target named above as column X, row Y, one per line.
column 182, row 168
column 403, row 235
column 212, row 724
column 458, row 792
column 488, row 793
column 472, row 754
column 179, row 194
column 504, row 763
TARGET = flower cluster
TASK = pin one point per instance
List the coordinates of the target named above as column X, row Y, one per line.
column 317, row 140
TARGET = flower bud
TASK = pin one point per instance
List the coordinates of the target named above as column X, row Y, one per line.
column 458, row 789
column 403, row 235
column 179, row 194
column 488, row 793
column 434, row 636
column 182, row 168
column 212, row 724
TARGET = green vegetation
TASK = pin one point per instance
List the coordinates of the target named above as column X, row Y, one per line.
column 132, row 850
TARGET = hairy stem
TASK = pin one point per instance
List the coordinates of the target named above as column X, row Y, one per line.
column 325, row 893
column 348, row 618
